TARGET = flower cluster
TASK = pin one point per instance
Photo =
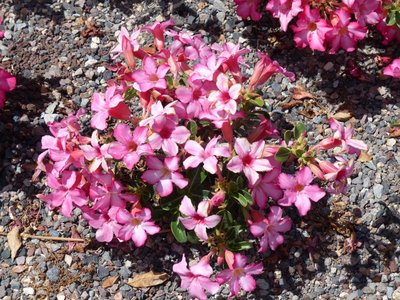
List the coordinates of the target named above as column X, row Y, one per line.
column 203, row 156
column 330, row 25
column 7, row 81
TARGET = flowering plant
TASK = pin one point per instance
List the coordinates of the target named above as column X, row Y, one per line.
column 330, row 25
column 203, row 156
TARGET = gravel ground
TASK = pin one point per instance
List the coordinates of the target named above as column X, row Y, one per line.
column 58, row 48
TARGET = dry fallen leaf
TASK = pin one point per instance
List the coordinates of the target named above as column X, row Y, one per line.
column 300, row 94
column 148, row 279
column 364, row 156
column 109, row 281
column 19, row 269
column 394, row 132
column 342, row 116
column 14, row 241
column 291, row 104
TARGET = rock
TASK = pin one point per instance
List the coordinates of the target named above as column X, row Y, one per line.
column 396, row 294
column 28, row 291
column 262, row 284
column 53, row 274
column 328, row 66
column 378, row 189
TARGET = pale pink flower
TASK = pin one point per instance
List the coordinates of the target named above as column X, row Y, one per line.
column 226, row 96
column 345, row 134
column 136, row 225
column 167, row 135
column 130, row 146
column 393, row 69
column 264, row 69
column 151, row 77
column 249, row 159
column 298, row 191
column 97, row 155
column 310, row 29
column 67, row 192
column 285, row 10
column 207, row 156
column 239, row 275
column 157, row 29
column 196, row 279
column 164, row 174
column 111, row 104
column 248, row 8
column 198, row 220
column 267, row 187
column 7, row 84
column 344, row 33
column 270, row 229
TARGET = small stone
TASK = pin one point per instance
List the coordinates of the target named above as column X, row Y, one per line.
column 390, row 292
column 53, row 274
column 68, row 259
column 91, row 62
column 396, row 294
column 78, row 72
column 60, row 296
column 262, row 284
column 28, row 291
column 391, row 142
column 328, row 66
column 378, row 189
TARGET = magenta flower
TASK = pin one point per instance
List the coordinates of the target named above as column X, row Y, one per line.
column 196, row 279
column 151, row 77
column 345, row 134
column 167, row 135
column 337, row 172
column 157, row 29
column 7, row 84
column 239, row 275
column 270, row 229
column 190, row 96
column 298, row 191
column 344, row 33
column 266, row 187
column 67, row 192
column 248, row 8
column 365, row 12
column 206, row 156
column 207, row 70
column 264, row 69
column 136, row 225
column 310, row 29
column 198, row 221
column 226, row 96
column 110, row 105
column 130, row 146
column 389, row 33
column 285, row 10
column 164, row 174
column 249, row 160
column 393, row 69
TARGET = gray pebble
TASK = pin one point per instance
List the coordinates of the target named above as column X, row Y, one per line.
column 53, row 274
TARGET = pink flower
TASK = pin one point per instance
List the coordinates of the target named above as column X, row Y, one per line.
column 128, row 46
column 157, row 29
column 136, row 225
column 266, row 187
column 337, row 172
column 67, row 192
column 298, row 191
column 344, row 34
column 393, row 69
column 190, row 95
column 365, row 12
column 239, row 274
column 111, row 104
column 162, row 175
column 310, row 29
column 285, row 10
column 96, row 154
column 206, row 156
column 151, row 77
column 207, row 70
column 226, row 96
column 249, row 159
column 7, row 84
column 248, row 8
column 389, row 33
column 130, row 145
column 196, row 279
column 269, row 229
column 104, row 222
column 1, row 32
column 263, row 130
column 198, row 221
column 345, row 134
column 264, row 69
column 167, row 135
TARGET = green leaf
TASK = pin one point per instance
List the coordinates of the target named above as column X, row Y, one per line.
column 298, row 130
column 240, row 246
column 287, row 136
column 258, row 101
column 299, row 153
column 193, row 128
column 178, row 231
column 192, row 237
column 282, row 154
column 244, row 198
column 170, row 81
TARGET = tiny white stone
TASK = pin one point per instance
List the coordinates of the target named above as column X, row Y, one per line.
column 391, row 142
column 28, row 291
column 68, row 259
